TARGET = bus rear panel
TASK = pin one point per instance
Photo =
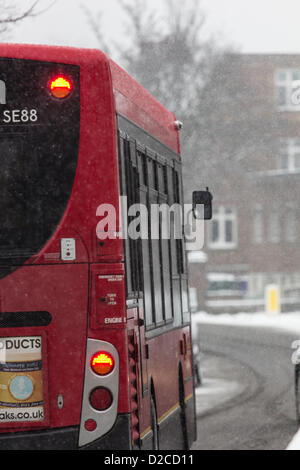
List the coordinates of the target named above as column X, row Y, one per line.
column 94, row 342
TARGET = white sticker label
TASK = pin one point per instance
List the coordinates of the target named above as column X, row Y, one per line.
column 21, row 381
column 68, row 249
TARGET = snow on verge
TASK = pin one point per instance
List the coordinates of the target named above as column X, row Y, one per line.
column 285, row 321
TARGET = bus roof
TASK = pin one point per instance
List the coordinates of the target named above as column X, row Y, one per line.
column 138, row 105
column 131, row 99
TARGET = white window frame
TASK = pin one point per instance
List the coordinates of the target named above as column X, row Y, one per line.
column 258, row 224
column 292, row 146
column 289, row 80
column 221, row 217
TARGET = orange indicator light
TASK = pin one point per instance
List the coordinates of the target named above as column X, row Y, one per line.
column 60, row 87
column 102, row 363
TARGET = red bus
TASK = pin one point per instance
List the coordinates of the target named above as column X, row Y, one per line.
column 95, row 341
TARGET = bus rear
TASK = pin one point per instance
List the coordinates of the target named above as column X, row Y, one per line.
column 51, row 185
column 95, row 342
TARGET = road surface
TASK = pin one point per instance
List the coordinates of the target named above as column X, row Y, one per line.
column 262, row 415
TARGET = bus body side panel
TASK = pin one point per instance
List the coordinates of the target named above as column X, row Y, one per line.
column 168, row 345
column 165, row 356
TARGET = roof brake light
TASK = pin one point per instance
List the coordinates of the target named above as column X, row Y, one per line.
column 60, row 87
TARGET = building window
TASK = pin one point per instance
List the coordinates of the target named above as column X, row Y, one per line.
column 259, row 281
column 256, row 285
column 287, row 84
column 226, row 284
column 258, row 224
column 291, row 286
column 193, row 294
column 291, row 224
column 274, row 226
column 288, row 282
column 289, row 155
column 223, row 229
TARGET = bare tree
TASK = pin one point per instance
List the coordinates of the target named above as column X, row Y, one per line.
column 166, row 52
column 11, row 13
column 95, row 20
column 239, row 128
column 170, row 55
column 203, row 84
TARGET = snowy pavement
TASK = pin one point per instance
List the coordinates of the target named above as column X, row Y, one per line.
column 295, row 442
column 220, row 384
column 216, row 390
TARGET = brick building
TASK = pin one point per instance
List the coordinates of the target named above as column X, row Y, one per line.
column 254, row 237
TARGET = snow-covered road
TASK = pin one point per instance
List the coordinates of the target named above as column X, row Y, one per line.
column 287, row 323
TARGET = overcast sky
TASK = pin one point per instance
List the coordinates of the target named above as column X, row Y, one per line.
column 252, row 25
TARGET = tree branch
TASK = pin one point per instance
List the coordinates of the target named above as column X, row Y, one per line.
column 30, row 12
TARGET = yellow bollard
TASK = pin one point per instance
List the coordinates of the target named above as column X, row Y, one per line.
column 272, row 299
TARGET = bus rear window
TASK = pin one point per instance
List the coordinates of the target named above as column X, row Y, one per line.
column 35, row 185
column 39, row 138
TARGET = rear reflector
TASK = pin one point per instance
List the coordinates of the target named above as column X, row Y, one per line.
column 102, row 363
column 101, row 398
column 90, row 425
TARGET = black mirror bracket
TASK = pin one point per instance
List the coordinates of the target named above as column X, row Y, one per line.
column 202, row 198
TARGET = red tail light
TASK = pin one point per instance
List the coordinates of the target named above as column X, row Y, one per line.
column 60, row 87
column 90, row 425
column 102, row 363
column 101, row 398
